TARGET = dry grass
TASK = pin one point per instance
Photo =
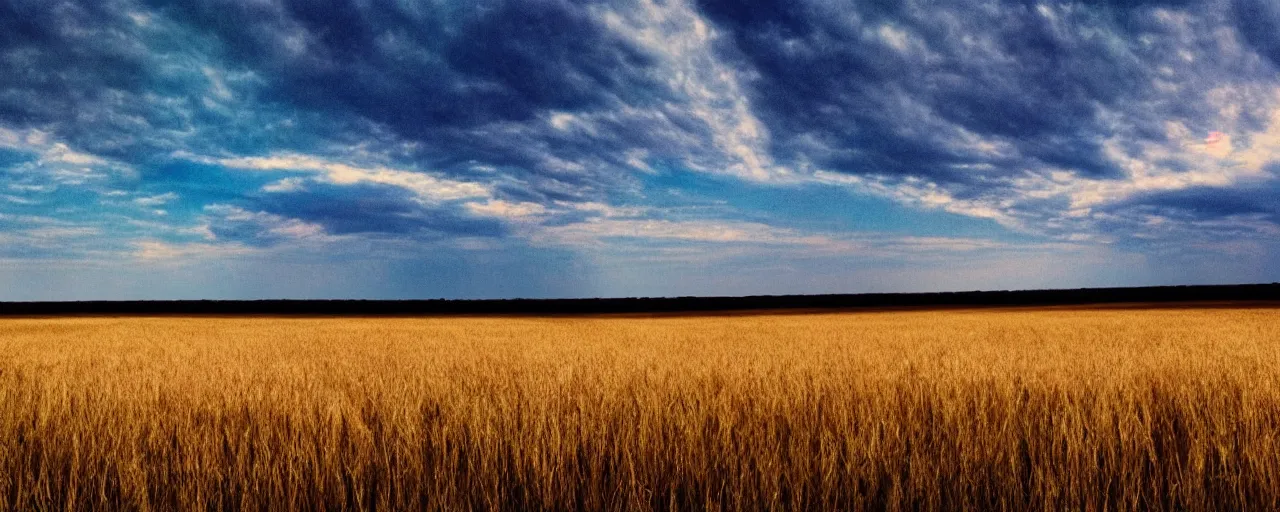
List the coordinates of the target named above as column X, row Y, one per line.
column 990, row 410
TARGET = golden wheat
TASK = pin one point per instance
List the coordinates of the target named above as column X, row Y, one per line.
column 964, row 410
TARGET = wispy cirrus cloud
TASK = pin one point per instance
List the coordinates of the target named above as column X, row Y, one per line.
column 161, row 251
column 426, row 187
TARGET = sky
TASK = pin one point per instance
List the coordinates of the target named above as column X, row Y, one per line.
column 187, row 149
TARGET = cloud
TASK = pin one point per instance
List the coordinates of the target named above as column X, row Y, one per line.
column 156, row 200
column 40, row 237
column 342, row 198
column 1218, row 144
column 285, row 185
column 713, row 90
column 593, row 231
column 1259, row 22
column 924, row 194
column 571, row 105
column 720, row 239
column 160, row 251
column 427, row 188
column 53, row 162
column 588, row 126
column 375, row 209
column 62, row 232
column 257, row 229
column 506, row 209
column 1027, row 115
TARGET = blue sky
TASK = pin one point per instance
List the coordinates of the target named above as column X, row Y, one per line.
column 540, row 148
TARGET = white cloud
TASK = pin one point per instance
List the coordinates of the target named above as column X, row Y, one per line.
column 895, row 37
column 18, row 200
column 60, row 154
column 652, row 241
column 217, row 86
column 675, row 31
column 1060, row 201
column 506, row 209
column 157, row 250
column 924, row 194
column 285, row 185
column 269, row 223
column 426, row 187
column 57, row 162
column 636, row 159
column 594, row 231
column 156, row 200
column 1216, row 162
column 563, row 121
column 23, row 139
column 606, row 209
column 1262, row 147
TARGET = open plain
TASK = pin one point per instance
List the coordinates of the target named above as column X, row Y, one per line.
column 996, row 409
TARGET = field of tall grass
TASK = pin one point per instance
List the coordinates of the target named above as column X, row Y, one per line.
column 1175, row 409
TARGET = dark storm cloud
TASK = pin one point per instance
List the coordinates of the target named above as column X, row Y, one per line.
column 468, row 82
column 1259, row 21
column 59, row 56
column 114, row 80
column 477, row 82
column 371, row 208
column 894, row 84
column 420, row 67
column 1209, row 203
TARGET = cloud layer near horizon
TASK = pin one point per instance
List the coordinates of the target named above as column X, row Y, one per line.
column 489, row 148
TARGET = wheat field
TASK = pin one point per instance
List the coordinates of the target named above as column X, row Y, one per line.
column 1161, row 409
